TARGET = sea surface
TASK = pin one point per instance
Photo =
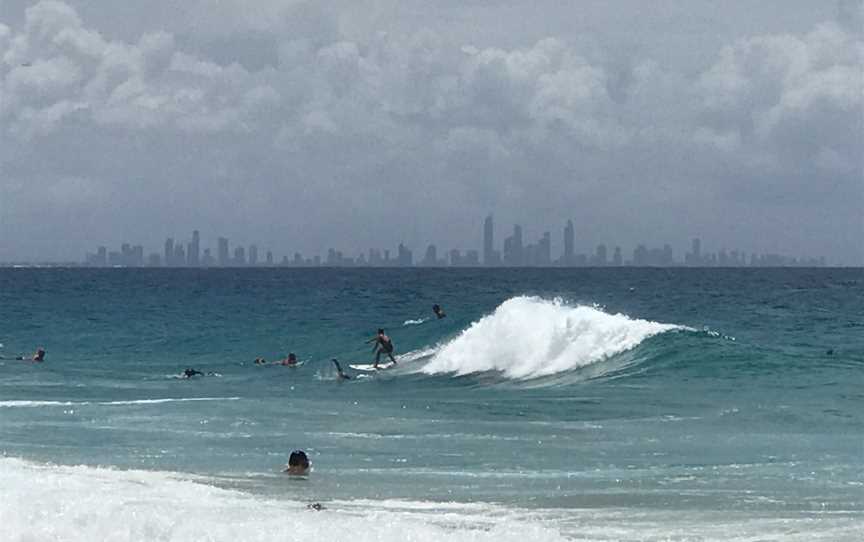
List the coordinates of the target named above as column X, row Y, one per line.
column 550, row 404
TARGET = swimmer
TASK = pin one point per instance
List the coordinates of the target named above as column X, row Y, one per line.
column 298, row 463
column 342, row 375
column 290, row 361
column 260, row 361
column 189, row 373
column 439, row 312
column 38, row 357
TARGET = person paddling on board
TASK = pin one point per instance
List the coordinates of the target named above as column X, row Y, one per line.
column 38, row 357
column 190, row 372
column 439, row 312
column 290, row 361
column 383, row 345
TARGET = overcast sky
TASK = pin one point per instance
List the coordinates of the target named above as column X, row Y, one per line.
column 300, row 125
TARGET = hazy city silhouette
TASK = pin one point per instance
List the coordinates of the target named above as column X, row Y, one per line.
column 514, row 252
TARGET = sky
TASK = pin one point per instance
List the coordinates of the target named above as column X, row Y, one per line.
column 301, row 125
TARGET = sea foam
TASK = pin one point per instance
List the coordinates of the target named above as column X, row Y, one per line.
column 40, row 502
column 528, row 337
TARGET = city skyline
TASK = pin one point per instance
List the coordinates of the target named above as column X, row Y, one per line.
column 514, row 252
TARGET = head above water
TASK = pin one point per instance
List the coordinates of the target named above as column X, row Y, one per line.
column 380, row 331
column 298, row 463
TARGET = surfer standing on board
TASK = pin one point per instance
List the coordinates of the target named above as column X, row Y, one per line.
column 383, row 344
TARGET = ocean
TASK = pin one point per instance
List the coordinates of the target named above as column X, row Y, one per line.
column 549, row 404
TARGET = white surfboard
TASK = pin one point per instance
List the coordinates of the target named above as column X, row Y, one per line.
column 371, row 368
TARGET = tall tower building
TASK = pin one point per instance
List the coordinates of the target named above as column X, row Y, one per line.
column 169, row 252
column 223, row 258
column 193, row 255
column 569, row 234
column 253, row 255
column 488, row 242
column 544, row 250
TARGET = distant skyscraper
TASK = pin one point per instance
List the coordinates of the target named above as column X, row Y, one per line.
column 223, row 257
column 543, row 254
column 269, row 258
column 253, row 255
column 168, row 256
column 600, row 257
column 193, row 255
column 405, row 257
column 569, row 235
column 617, row 259
column 179, row 255
column 488, row 242
column 431, row 257
column 513, row 248
column 239, row 256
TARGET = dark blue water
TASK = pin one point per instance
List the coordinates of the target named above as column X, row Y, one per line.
column 638, row 394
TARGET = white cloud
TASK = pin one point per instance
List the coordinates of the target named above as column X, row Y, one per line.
column 453, row 125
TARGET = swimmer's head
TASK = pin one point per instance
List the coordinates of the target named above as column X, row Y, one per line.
column 380, row 330
column 298, row 463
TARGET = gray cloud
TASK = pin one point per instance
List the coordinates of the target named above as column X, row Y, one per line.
column 303, row 125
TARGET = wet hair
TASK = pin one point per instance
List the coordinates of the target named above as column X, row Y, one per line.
column 291, row 355
column 380, row 330
column 298, row 459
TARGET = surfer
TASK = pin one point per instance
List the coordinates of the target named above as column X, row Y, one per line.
column 190, row 372
column 339, row 372
column 38, row 357
column 290, row 361
column 439, row 312
column 383, row 345
column 298, row 463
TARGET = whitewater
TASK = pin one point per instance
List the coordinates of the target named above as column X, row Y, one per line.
column 601, row 405
column 528, row 337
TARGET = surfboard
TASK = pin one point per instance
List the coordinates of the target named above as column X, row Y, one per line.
column 370, row 367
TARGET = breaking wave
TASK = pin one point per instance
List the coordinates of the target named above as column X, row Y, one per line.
column 530, row 337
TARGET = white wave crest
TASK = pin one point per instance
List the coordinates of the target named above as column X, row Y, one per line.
column 529, row 337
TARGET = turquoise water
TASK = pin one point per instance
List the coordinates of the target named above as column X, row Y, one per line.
column 589, row 404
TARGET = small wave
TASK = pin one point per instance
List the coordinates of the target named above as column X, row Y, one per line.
column 8, row 404
column 415, row 322
column 530, row 337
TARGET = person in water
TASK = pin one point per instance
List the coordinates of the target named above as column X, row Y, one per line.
column 298, row 463
column 38, row 357
column 290, row 361
column 383, row 345
column 339, row 372
column 190, row 372
column 260, row 361
column 439, row 312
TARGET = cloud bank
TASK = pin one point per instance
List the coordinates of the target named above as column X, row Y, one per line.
column 348, row 129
